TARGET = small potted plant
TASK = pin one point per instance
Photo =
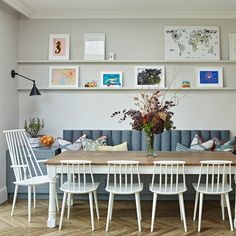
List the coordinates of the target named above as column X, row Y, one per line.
column 32, row 128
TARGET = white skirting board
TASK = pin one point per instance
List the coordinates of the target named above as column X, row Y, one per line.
column 3, row 194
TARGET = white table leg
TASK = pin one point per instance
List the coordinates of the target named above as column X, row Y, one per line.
column 51, row 223
column 235, row 203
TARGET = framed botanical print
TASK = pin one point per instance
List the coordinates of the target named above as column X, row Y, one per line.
column 59, row 47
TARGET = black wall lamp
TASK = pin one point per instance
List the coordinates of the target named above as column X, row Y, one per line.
column 34, row 91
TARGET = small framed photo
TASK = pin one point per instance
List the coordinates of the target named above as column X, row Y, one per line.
column 59, row 46
column 232, row 46
column 111, row 79
column 63, row 77
column 210, row 77
column 150, row 76
column 94, row 46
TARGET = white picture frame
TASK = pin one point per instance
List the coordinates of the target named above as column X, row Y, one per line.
column 232, row 46
column 59, row 47
column 94, row 46
column 140, row 69
column 209, row 77
column 111, row 79
column 63, row 77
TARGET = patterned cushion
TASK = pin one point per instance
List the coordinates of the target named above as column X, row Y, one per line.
column 226, row 147
column 68, row 146
column 181, row 148
column 119, row 147
column 91, row 145
column 198, row 145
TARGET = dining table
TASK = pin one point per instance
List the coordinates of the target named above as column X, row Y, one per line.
column 99, row 166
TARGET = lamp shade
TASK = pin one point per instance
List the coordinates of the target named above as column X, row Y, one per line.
column 34, row 91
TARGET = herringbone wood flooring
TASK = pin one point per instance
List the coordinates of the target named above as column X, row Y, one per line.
column 123, row 223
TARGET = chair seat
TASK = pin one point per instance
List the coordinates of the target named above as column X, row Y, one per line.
column 160, row 189
column 80, row 189
column 36, row 180
column 125, row 189
column 202, row 188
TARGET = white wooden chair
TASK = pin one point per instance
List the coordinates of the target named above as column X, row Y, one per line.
column 25, row 166
column 168, row 179
column 77, row 178
column 214, row 179
column 123, row 178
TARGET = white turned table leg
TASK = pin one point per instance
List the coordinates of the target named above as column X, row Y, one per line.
column 235, row 202
column 51, row 223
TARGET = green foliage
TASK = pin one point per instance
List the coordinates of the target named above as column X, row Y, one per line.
column 34, row 126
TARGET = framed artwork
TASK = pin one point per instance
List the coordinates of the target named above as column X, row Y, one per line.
column 59, row 46
column 94, row 46
column 232, row 46
column 150, row 76
column 111, row 79
column 63, row 76
column 192, row 43
column 210, row 77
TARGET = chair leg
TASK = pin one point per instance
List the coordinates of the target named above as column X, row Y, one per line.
column 91, row 209
column 68, row 205
column 29, row 203
column 154, row 203
column 112, row 203
column 137, row 201
column 111, row 196
column 222, row 206
column 229, row 211
column 56, row 198
column 34, row 193
column 140, row 212
column 181, row 199
column 96, row 204
column 180, row 210
column 195, row 206
column 14, row 199
column 200, row 212
column 62, row 209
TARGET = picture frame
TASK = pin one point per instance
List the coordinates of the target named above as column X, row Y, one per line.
column 94, row 46
column 110, row 79
column 232, row 46
column 141, row 80
column 209, row 77
column 63, row 76
column 59, row 47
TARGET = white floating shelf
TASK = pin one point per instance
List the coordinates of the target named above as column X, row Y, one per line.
column 123, row 61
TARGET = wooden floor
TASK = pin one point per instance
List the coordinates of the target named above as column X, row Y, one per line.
column 123, row 223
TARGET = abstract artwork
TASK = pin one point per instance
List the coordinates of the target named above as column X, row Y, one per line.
column 63, row 77
column 209, row 77
column 192, row 43
column 111, row 79
column 59, row 46
column 150, row 76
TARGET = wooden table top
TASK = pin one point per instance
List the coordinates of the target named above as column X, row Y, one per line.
column 101, row 157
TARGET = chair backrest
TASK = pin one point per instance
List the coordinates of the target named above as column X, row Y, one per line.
column 23, row 160
column 168, row 175
column 77, row 174
column 215, row 175
column 122, row 175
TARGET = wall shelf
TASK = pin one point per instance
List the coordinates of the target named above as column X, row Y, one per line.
column 123, row 62
column 129, row 89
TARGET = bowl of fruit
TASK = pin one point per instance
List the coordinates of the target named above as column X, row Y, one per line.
column 47, row 140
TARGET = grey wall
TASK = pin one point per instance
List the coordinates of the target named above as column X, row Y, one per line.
column 8, row 86
column 129, row 39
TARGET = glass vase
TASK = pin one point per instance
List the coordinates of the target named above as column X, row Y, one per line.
column 150, row 145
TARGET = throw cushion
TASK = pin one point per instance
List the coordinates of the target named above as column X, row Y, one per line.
column 198, row 145
column 91, row 145
column 69, row 146
column 181, row 148
column 226, row 147
column 120, row 147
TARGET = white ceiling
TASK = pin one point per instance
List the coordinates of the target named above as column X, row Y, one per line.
column 125, row 8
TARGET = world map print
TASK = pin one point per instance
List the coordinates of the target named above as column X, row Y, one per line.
column 192, row 42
